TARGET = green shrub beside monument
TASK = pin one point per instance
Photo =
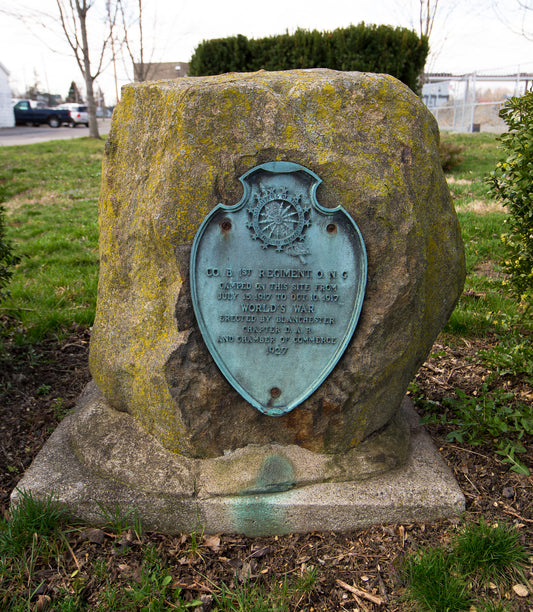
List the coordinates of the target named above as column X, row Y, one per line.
column 7, row 258
column 512, row 182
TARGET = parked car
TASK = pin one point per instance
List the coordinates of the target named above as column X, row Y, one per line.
column 28, row 111
column 79, row 114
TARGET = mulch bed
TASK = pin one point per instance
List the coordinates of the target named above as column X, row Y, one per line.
column 37, row 386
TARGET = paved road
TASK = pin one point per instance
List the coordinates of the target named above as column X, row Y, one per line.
column 29, row 135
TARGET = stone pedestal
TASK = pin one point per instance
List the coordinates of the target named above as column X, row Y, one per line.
column 276, row 489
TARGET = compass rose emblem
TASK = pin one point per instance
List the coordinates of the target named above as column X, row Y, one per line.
column 278, row 219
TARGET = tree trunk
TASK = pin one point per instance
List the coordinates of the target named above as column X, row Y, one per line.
column 91, row 109
column 91, row 103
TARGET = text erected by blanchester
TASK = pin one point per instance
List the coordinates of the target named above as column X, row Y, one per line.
column 280, row 308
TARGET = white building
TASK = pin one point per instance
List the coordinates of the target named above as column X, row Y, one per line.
column 6, row 107
column 435, row 94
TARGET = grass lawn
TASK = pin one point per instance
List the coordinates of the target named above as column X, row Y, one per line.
column 50, row 191
column 486, row 295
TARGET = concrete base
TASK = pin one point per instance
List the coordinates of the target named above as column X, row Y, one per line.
column 169, row 495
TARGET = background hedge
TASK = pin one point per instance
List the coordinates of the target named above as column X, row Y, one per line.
column 366, row 48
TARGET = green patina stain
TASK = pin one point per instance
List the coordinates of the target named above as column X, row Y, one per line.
column 257, row 511
column 255, row 472
column 260, row 515
column 276, row 474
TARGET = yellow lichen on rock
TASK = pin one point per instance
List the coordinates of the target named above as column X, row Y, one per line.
column 176, row 149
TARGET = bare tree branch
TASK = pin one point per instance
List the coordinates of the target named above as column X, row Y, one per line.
column 126, row 37
column 73, row 20
column 74, row 27
column 428, row 12
column 525, row 7
column 140, row 69
column 112, row 11
column 71, row 34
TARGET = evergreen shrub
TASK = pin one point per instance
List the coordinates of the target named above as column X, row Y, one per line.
column 512, row 182
column 7, row 259
column 451, row 155
column 367, row 48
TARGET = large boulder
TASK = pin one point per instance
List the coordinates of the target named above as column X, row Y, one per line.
column 176, row 149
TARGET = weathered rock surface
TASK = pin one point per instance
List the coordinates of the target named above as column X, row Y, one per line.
column 176, row 149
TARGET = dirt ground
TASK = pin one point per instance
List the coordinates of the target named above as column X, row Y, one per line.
column 38, row 386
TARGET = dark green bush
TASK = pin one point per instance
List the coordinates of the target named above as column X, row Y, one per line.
column 451, row 155
column 7, row 259
column 366, row 48
column 512, row 182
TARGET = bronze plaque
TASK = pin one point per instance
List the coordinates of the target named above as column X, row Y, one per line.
column 277, row 284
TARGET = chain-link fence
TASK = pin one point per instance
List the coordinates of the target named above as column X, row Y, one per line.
column 474, row 117
column 472, row 102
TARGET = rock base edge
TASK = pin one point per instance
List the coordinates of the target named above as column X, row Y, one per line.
column 421, row 490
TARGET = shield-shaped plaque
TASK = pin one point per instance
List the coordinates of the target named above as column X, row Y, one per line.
column 277, row 284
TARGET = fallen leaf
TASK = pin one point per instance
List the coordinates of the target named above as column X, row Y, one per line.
column 264, row 550
column 212, row 542
column 401, row 534
column 246, row 571
column 520, row 590
column 43, row 602
column 96, row 536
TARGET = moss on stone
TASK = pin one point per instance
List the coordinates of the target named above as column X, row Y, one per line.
column 176, row 149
